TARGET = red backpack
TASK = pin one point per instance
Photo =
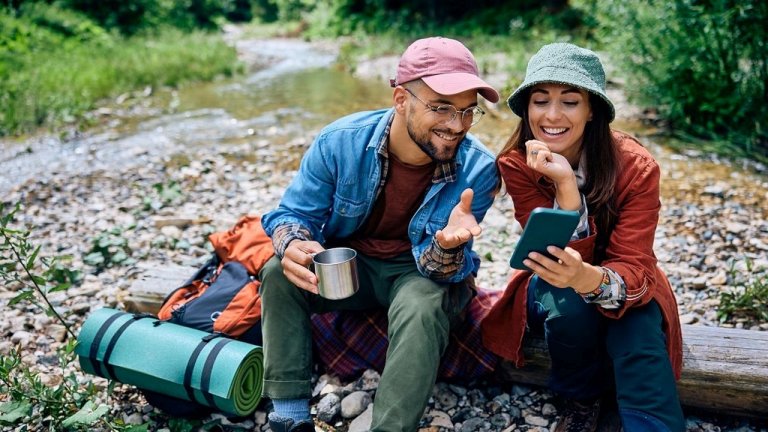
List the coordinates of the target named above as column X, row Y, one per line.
column 223, row 296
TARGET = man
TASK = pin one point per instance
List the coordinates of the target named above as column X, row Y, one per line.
column 406, row 188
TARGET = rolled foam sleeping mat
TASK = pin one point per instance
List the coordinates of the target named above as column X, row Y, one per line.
column 173, row 360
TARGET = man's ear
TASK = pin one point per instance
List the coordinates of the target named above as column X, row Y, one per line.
column 400, row 99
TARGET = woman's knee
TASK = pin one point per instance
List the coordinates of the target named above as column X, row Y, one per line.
column 639, row 331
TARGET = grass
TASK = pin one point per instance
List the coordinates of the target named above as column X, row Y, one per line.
column 58, row 86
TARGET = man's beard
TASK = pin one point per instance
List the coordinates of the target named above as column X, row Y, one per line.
column 425, row 144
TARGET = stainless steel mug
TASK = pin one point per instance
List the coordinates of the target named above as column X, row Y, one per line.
column 336, row 271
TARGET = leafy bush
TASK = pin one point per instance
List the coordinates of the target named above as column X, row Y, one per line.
column 704, row 64
column 489, row 17
column 749, row 297
column 67, row 401
column 133, row 16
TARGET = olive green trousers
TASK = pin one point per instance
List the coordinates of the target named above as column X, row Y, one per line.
column 418, row 335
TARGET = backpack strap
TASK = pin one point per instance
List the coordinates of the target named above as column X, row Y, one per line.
column 109, row 370
column 205, row 380
column 97, row 342
column 208, row 367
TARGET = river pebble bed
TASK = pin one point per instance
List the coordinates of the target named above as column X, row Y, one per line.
column 159, row 208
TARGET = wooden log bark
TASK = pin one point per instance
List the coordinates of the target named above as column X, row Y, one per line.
column 724, row 370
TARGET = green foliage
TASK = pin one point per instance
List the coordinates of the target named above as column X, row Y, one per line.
column 54, row 68
column 109, row 249
column 61, row 21
column 133, row 16
column 489, row 17
column 34, row 277
column 24, row 270
column 68, row 404
column 749, row 297
column 164, row 195
column 704, row 64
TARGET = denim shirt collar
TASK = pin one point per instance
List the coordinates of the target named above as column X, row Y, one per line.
column 445, row 172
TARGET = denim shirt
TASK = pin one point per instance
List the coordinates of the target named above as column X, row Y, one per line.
column 337, row 184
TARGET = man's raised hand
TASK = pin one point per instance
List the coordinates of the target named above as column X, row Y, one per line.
column 462, row 225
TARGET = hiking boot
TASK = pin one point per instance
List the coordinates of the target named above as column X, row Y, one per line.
column 578, row 416
column 277, row 424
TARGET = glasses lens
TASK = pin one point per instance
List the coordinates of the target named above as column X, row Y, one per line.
column 445, row 113
column 472, row 116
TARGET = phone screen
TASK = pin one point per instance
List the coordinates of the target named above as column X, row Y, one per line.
column 545, row 227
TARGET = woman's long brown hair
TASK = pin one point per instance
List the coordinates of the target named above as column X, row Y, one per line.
column 602, row 166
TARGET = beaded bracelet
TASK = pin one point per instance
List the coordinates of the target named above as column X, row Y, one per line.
column 605, row 284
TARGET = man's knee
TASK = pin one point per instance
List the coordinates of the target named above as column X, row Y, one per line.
column 420, row 302
column 272, row 277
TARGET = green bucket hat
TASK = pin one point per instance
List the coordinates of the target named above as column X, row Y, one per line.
column 562, row 63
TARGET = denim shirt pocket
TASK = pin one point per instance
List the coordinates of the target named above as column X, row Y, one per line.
column 434, row 226
column 439, row 217
column 346, row 207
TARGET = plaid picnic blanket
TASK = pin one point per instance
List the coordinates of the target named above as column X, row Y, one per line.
column 348, row 343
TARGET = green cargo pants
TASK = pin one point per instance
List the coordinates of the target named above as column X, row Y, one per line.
column 418, row 335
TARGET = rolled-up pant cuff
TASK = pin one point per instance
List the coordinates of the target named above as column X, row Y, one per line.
column 287, row 389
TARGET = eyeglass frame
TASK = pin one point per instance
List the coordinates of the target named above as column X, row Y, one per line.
column 475, row 110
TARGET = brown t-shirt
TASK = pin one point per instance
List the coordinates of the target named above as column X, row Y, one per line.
column 385, row 233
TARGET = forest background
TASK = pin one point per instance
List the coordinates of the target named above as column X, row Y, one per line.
column 700, row 67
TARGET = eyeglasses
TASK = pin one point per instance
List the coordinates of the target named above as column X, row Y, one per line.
column 446, row 113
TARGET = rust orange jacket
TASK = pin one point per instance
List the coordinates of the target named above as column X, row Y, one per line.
column 629, row 250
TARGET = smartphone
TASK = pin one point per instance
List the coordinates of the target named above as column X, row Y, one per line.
column 545, row 227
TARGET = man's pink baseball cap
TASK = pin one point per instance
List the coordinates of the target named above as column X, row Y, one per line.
column 445, row 65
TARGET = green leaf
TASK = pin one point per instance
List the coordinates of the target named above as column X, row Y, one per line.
column 119, row 257
column 136, row 428
column 183, row 425
column 95, row 259
column 13, row 411
column 60, row 287
column 87, row 415
column 33, row 257
column 26, row 295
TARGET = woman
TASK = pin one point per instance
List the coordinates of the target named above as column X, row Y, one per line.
column 608, row 313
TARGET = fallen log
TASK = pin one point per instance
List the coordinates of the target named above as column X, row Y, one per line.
column 724, row 370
